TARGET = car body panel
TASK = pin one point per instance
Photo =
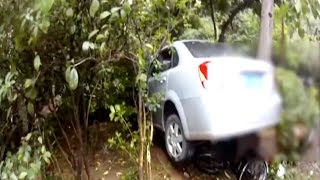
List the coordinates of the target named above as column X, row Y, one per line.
column 158, row 85
column 173, row 97
column 214, row 113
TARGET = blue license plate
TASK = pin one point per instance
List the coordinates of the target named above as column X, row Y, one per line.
column 253, row 80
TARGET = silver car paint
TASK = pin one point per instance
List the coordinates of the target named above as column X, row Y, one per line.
column 181, row 86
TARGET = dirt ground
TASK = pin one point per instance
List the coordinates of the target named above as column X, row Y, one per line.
column 109, row 164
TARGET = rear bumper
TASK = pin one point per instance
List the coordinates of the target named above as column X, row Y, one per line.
column 220, row 120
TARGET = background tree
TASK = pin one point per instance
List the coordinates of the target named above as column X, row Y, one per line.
column 266, row 28
column 64, row 61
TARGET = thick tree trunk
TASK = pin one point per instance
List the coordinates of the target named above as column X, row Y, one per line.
column 265, row 53
column 265, row 40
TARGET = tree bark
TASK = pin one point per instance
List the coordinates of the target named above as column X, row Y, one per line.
column 265, row 40
column 265, row 53
column 141, row 130
column 79, row 158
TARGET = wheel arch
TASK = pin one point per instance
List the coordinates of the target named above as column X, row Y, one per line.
column 172, row 104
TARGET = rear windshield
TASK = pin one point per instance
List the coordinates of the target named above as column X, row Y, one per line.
column 204, row 49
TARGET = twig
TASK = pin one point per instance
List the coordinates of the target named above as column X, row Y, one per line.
column 213, row 20
column 64, row 153
column 84, row 60
column 241, row 6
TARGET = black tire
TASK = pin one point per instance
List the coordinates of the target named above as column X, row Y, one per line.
column 210, row 163
column 172, row 146
column 254, row 169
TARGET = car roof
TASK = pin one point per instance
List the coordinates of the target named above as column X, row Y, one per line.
column 181, row 42
column 192, row 40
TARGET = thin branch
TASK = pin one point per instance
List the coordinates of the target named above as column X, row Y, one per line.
column 89, row 103
column 65, row 155
column 213, row 20
column 84, row 60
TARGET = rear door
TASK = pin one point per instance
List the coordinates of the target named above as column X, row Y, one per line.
column 158, row 81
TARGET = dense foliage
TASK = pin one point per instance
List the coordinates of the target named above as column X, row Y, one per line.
column 301, row 110
column 61, row 61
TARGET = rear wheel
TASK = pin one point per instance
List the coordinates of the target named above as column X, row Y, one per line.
column 254, row 169
column 178, row 148
column 210, row 162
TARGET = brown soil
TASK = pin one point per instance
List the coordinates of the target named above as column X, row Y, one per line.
column 109, row 164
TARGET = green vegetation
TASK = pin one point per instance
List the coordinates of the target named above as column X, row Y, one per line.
column 301, row 110
column 61, row 61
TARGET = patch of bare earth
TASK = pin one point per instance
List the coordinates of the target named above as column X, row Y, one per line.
column 109, row 164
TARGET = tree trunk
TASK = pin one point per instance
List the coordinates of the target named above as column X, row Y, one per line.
column 213, row 19
column 141, row 132
column 79, row 158
column 265, row 53
column 265, row 40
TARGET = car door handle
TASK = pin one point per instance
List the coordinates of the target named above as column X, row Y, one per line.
column 162, row 80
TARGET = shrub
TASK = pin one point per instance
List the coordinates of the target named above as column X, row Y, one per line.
column 28, row 162
column 284, row 171
column 300, row 109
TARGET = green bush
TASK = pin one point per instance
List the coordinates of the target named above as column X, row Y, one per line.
column 28, row 162
column 202, row 28
column 279, row 170
column 310, row 63
column 299, row 107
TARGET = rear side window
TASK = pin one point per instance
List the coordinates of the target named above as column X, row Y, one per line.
column 205, row 49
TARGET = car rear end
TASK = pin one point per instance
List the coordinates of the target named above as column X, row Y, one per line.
column 233, row 96
column 239, row 96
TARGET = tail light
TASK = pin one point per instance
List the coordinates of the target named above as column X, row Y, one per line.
column 203, row 73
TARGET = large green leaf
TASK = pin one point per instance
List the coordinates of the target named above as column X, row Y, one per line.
column 30, row 108
column 69, row 12
column 72, row 79
column 37, row 62
column 31, row 93
column 297, row 6
column 94, row 7
column 44, row 5
column 27, row 83
column 102, row 48
column 87, row 45
column 104, row 14
column 126, row 7
column 23, row 175
column 283, row 10
column 67, row 74
column 92, row 33
column 115, row 9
